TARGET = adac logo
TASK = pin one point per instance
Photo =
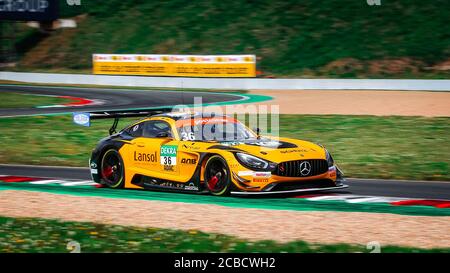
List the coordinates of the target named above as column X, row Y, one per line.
column 169, row 168
column 188, row 161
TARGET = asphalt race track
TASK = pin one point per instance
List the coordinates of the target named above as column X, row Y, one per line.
column 111, row 99
column 370, row 187
column 114, row 99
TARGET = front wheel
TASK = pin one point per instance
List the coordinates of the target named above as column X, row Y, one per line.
column 217, row 176
column 112, row 169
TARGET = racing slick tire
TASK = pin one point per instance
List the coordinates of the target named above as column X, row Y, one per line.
column 217, row 176
column 112, row 171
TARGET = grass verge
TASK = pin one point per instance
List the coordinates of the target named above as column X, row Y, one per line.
column 41, row 235
column 18, row 83
column 12, row 100
column 364, row 146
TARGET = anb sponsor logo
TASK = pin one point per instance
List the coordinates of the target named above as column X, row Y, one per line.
column 188, row 161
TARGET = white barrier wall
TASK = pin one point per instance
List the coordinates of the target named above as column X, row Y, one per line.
column 233, row 84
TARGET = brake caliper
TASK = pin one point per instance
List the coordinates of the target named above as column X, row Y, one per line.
column 213, row 181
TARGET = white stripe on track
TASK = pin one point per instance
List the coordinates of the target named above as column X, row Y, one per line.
column 328, row 198
column 356, row 198
column 367, row 200
column 64, row 182
column 79, row 183
column 43, row 182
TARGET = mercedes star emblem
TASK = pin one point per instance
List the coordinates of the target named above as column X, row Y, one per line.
column 305, row 168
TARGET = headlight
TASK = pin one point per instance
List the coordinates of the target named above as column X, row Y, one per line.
column 329, row 159
column 252, row 162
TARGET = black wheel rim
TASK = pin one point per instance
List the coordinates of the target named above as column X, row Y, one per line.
column 112, row 169
column 216, row 176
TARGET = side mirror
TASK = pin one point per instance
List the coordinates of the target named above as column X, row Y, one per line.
column 258, row 131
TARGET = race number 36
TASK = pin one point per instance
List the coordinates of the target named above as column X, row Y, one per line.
column 167, row 160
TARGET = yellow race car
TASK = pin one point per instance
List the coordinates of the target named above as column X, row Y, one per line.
column 203, row 153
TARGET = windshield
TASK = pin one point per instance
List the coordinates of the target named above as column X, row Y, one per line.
column 213, row 129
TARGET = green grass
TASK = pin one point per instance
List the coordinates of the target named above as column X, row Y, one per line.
column 18, row 83
column 18, row 100
column 40, row 235
column 292, row 38
column 364, row 146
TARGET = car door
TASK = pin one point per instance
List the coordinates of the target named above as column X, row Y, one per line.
column 155, row 151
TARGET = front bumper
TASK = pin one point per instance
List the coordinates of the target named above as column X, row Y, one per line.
column 253, row 181
column 342, row 186
column 331, row 180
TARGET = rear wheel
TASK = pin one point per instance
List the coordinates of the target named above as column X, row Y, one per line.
column 112, row 169
column 217, row 176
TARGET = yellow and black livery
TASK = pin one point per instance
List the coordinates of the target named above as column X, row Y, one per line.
column 204, row 153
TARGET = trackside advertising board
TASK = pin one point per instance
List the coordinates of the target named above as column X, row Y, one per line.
column 175, row 65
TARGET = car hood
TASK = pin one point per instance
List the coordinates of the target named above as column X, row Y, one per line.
column 275, row 150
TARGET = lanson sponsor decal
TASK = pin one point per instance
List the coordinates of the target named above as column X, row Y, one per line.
column 144, row 157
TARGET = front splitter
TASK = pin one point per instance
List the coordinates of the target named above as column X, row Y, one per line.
column 290, row 191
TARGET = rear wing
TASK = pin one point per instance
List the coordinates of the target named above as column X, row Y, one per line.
column 84, row 118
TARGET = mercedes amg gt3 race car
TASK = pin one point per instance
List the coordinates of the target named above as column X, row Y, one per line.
column 194, row 152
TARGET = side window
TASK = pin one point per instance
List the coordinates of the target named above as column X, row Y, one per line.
column 156, row 127
column 136, row 130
